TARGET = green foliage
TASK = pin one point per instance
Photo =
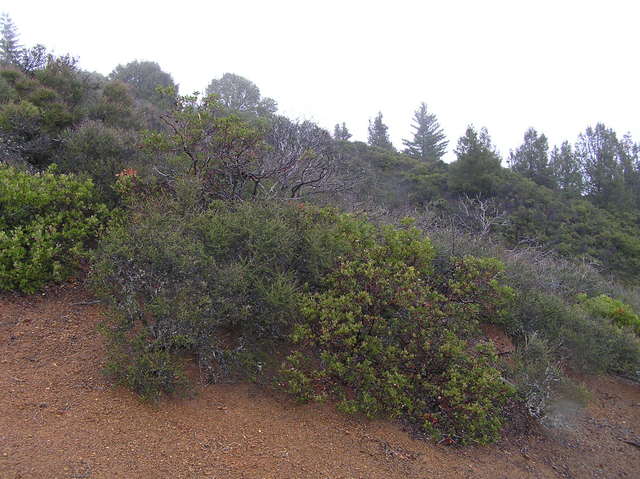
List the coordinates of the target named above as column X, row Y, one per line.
column 340, row 132
column 45, row 223
column 613, row 309
column 379, row 134
column 231, row 284
column 531, row 159
column 545, row 307
column 9, row 41
column 145, row 78
column 241, row 95
column 477, row 170
column 219, row 282
column 429, row 141
column 100, row 152
column 388, row 336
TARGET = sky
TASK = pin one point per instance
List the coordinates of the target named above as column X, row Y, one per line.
column 558, row 66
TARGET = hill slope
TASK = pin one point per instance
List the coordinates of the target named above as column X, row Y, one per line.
column 63, row 420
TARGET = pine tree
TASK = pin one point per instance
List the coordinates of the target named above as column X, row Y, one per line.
column 10, row 49
column 531, row 159
column 477, row 170
column 341, row 133
column 565, row 169
column 378, row 133
column 600, row 156
column 429, row 141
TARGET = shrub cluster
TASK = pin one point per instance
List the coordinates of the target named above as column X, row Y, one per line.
column 570, row 309
column 388, row 335
column 328, row 303
column 45, row 222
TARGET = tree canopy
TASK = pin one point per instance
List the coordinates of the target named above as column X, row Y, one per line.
column 429, row 141
column 379, row 134
column 240, row 94
column 144, row 77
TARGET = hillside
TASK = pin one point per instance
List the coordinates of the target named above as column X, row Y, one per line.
column 64, row 420
column 195, row 285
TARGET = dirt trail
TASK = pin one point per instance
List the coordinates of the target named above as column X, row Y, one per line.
column 62, row 419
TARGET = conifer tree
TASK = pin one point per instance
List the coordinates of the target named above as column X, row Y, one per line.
column 600, row 156
column 379, row 134
column 429, row 141
column 341, row 133
column 531, row 159
column 565, row 169
column 477, row 170
column 10, row 48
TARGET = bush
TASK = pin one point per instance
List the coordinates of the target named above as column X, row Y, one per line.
column 363, row 311
column 99, row 151
column 46, row 222
column 388, row 336
column 220, row 283
column 619, row 313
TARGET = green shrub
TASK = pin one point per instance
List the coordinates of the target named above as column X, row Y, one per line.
column 372, row 321
column 220, row 283
column 46, row 220
column 99, row 151
column 619, row 313
column 388, row 336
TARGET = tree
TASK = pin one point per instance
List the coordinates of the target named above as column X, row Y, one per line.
column 301, row 159
column 531, row 159
column 601, row 157
column 565, row 170
column 429, row 141
column 34, row 58
column 240, row 94
column 10, row 49
column 145, row 77
column 478, row 169
column 341, row 133
column 378, row 133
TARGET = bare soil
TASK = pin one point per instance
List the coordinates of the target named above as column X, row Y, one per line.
column 62, row 419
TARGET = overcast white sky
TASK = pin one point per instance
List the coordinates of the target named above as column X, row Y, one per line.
column 555, row 65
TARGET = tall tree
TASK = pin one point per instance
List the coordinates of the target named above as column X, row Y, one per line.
column 340, row 132
column 145, row 77
column 601, row 157
column 429, row 141
column 478, row 169
column 566, row 170
column 10, row 49
column 240, row 94
column 379, row 133
column 531, row 159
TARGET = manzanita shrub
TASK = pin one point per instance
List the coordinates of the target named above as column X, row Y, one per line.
column 46, row 220
column 328, row 304
column 388, row 335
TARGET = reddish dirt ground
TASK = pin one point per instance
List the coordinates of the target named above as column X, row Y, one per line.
column 62, row 419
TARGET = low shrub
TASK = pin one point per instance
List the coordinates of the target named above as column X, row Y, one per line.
column 46, row 221
column 361, row 312
column 619, row 313
column 218, row 283
column 389, row 336
column 99, row 152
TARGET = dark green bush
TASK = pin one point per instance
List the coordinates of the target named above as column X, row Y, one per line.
column 45, row 222
column 389, row 336
column 218, row 283
column 374, row 323
column 100, row 152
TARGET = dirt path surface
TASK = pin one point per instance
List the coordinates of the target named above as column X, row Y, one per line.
column 61, row 419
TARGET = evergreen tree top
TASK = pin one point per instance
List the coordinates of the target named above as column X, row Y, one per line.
column 429, row 141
